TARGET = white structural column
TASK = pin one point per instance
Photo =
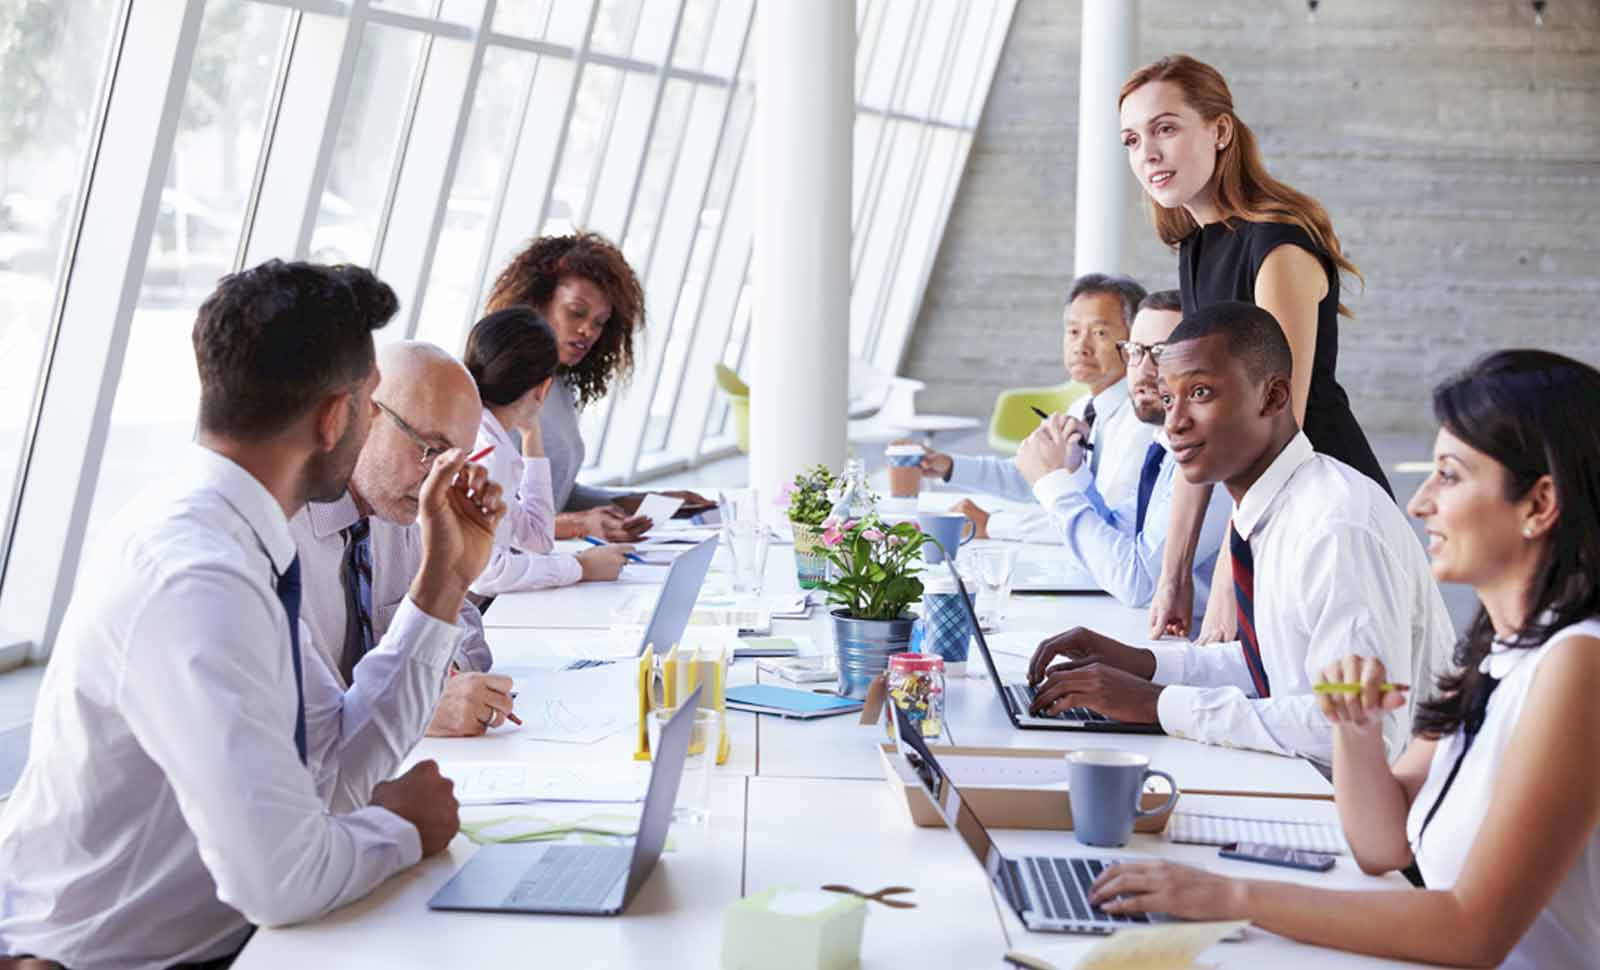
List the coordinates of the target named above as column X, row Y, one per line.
column 805, row 118
column 1107, row 52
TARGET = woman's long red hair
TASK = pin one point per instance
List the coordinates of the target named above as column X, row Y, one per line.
column 1244, row 190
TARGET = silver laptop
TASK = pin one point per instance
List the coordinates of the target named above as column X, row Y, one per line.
column 1052, row 579
column 1049, row 893
column 582, row 880
column 1017, row 696
column 668, row 619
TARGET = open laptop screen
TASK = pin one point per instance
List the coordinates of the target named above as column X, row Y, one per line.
column 947, row 799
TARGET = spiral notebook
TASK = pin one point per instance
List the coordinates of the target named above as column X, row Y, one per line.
column 1198, row 828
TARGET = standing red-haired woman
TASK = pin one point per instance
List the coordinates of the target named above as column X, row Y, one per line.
column 589, row 295
column 1241, row 235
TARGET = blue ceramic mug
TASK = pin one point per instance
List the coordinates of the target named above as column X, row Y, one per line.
column 952, row 529
column 1103, row 787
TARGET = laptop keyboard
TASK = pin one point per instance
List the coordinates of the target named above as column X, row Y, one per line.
column 571, row 875
column 1022, row 695
column 1064, row 885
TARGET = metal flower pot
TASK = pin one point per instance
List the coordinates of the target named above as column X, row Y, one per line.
column 864, row 648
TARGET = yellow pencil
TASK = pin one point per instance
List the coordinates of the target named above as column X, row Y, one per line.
column 1331, row 688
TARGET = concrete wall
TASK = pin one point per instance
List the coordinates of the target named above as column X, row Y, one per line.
column 1456, row 147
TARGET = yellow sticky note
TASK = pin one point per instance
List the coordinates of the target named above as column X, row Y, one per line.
column 1165, row 946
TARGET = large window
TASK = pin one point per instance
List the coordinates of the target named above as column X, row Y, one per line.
column 53, row 57
column 148, row 148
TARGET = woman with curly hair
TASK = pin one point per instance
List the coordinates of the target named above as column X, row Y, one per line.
column 589, row 295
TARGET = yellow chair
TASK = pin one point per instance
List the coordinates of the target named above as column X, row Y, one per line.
column 739, row 400
column 1013, row 418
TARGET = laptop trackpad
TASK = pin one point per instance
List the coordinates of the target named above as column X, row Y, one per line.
column 490, row 876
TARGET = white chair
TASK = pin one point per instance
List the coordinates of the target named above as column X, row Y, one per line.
column 893, row 409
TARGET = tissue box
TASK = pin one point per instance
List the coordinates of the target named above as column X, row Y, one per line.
column 793, row 929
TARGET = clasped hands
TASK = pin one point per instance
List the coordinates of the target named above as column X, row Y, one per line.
column 1057, row 443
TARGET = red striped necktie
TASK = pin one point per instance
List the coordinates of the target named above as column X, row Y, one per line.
column 1244, row 591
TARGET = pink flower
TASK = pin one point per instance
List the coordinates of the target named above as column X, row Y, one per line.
column 832, row 537
column 830, row 523
column 872, row 535
column 896, row 540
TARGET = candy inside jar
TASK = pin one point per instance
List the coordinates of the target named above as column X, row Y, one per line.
column 916, row 685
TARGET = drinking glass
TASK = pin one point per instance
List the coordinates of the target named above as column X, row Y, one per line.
column 693, row 805
column 995, row 564
column 747, row 546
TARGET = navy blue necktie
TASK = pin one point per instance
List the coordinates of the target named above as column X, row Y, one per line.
column 355, row 573
column 1147, row 482
column 289, row 596
column 1244, row 590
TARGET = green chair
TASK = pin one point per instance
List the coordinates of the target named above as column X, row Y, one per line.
column 739, row 400
column 1013, row 418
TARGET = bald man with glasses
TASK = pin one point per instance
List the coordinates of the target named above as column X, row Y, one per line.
column 360, row 551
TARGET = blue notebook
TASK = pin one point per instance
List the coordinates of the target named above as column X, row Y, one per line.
column 788, row 702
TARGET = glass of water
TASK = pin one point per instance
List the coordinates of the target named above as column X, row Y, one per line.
column 693, row 804
column 747, row 546
column 994, row 566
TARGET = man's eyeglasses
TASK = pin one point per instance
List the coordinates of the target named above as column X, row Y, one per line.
column 429, row 450
column 1133, row 353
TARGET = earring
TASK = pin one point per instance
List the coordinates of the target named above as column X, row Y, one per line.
column 1527, row 532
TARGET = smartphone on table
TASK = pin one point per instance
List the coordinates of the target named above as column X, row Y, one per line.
column 1277, row 855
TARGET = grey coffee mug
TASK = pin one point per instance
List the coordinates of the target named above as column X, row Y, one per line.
column 1103, row 787
column 952, row 529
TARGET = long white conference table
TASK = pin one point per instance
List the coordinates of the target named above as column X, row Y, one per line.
column 804, row 803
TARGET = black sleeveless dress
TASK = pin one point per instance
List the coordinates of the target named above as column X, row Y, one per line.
column 1220, row 262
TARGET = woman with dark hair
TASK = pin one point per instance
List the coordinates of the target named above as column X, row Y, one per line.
column 1240, row 235
column 1497, row 798
column 511, row 354
column 587, row 292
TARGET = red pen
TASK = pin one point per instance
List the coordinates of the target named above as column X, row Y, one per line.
column 481, row 454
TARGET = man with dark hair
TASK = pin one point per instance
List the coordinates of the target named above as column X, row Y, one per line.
column 1324, row 565
column 1119, row 547
column 171, row 799
column 1166, row 301
column 1100, row 309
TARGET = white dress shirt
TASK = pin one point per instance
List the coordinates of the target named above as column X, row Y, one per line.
column 1119, row 439
column 524, row 554
column 164, row 808
column 1338, row 571
column 1566, row 932
column 1121, row 559
column 396, row 557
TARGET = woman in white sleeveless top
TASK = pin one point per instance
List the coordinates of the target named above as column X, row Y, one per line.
column 1497, row 799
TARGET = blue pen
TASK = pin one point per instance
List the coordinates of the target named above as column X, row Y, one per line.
column 591, row 540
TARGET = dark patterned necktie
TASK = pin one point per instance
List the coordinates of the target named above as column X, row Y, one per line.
column 1147, row 482
column 1244, row 591
column 289, row 595
column 1088, row 423
column 355, row 573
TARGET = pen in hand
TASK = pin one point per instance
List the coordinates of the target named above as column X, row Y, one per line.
column 591, row 540
column 1334, row 688
column 1086, row 443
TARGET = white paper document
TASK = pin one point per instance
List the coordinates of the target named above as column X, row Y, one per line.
column 659, row 509
column 514, row 783
column 575, row 706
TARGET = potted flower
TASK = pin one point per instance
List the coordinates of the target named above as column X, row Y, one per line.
column 807, row 503
column 873, row 580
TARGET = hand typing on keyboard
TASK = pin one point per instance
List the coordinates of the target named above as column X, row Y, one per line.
column 1167, row 887
column 1115, row 693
